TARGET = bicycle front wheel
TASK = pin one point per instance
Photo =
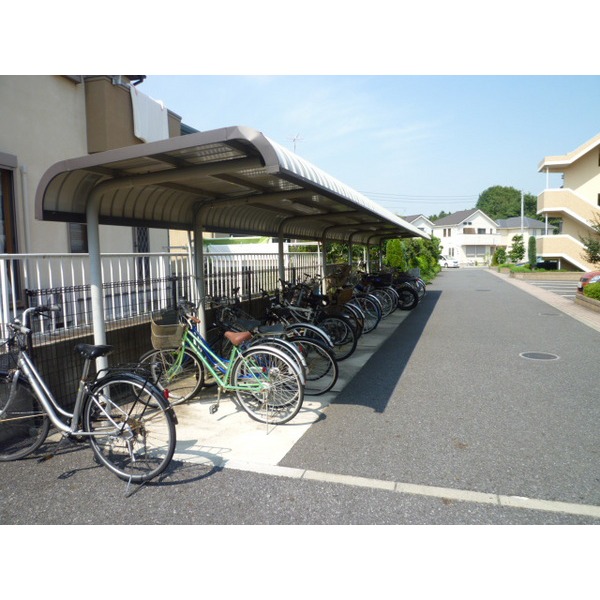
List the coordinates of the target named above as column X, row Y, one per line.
column 24, row 424
column 267, row 385
column 176, row 370
column 132, row 427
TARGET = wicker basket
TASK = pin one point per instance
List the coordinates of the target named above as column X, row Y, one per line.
column 342, row 296
column 166, row 336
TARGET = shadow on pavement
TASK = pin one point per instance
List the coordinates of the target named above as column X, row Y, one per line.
column 373, row 385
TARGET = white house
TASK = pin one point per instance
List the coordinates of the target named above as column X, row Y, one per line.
column 468, row 235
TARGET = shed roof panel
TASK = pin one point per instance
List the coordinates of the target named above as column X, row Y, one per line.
column 233, row 179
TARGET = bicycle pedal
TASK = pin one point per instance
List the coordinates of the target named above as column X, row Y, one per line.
column 213, row 409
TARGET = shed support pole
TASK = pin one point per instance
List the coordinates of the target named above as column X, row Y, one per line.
column 324, row 265
column 199, row 274
column 281, row 259
column 93, row 234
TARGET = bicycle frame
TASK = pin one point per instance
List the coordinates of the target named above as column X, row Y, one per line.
column 219, row 367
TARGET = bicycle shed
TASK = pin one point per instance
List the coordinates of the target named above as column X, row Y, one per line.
column 228, row 180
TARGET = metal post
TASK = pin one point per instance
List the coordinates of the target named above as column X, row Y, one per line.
column 199, row 273
column 93, row 234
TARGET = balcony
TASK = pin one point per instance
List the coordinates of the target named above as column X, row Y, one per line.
column 565, row 202
column 475, row 239
column 565, row 248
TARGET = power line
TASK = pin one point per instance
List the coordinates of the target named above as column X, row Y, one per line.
column 409, row 196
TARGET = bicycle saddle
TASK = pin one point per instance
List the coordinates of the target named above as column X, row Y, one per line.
column 90, row 351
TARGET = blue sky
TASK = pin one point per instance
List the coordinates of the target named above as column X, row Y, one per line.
column 413, row 143
column 421, row 106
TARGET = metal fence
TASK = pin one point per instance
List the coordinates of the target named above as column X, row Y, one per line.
column 134, row 286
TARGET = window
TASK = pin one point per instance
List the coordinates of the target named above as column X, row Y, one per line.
column 8, row 243
column 481, row 231
column 141, row 244
column 78, row 241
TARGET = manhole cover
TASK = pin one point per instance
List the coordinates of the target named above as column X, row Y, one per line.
column 538, row 356
column 550, row 315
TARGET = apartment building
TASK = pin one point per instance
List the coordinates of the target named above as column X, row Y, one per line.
column 576, row 203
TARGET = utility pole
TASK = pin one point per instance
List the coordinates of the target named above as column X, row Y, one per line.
column 522, row 213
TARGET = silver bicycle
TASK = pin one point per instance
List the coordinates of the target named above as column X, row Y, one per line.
column 129, row 423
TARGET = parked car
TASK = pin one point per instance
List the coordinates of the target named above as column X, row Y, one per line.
column 444, row 261
column 586, row 279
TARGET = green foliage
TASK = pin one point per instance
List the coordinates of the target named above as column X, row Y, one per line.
column 501, row 202
column 337, row 252
column 517, row 251
column 592, row 291
column 499, row 256
column 442, row 214
column 414, row 253
column 532, row 251
column 592, row 243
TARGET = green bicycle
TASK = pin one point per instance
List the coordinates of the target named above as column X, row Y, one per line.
column 267, row 382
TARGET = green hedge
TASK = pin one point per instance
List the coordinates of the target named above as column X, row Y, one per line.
column 592, row 291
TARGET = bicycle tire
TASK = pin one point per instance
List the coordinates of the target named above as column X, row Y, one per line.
column 408, row 296
column 371, row 310
column 340, row 330
column 132, row 427
column 322, row 370
column 24, row 425
column 356, row 316
column 281, row 398
column 182, row 382
column 285, row 346
column 309, row 330
column 387, row 302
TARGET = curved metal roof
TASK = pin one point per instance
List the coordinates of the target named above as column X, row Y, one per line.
column 233, row 180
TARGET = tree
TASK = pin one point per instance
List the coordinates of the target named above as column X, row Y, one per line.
column 517, row 251
column 532, row 252
column 592, row 243
column 501, row 202
column 414, row 253
column 442, row 214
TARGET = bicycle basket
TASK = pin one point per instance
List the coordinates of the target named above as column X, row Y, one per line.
column 166, row 336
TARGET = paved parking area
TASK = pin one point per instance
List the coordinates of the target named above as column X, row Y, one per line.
column 439, row 420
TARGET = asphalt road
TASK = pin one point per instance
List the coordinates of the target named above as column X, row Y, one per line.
column 448, row 413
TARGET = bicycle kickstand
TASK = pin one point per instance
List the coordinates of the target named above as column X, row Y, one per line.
column 52, row 453
column 214, row 407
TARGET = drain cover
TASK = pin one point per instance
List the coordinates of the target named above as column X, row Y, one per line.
column 538, row 356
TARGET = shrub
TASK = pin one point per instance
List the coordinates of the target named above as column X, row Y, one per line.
column 592, row 291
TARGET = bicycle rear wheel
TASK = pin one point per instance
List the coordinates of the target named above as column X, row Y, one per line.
column 322, row 369
column 268, row 385
column 24, row 424
column 409, row 298
column 340, row 330
column 132, row 427
column 181, row 374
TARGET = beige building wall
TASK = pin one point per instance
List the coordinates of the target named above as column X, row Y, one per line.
column 48, row 118
column 583, row 177
column 42, row 120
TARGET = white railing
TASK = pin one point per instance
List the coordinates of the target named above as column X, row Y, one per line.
column 136, row 284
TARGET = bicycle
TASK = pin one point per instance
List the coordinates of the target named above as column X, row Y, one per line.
column 267, row 383
column 126, row 419
column 318, row 360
